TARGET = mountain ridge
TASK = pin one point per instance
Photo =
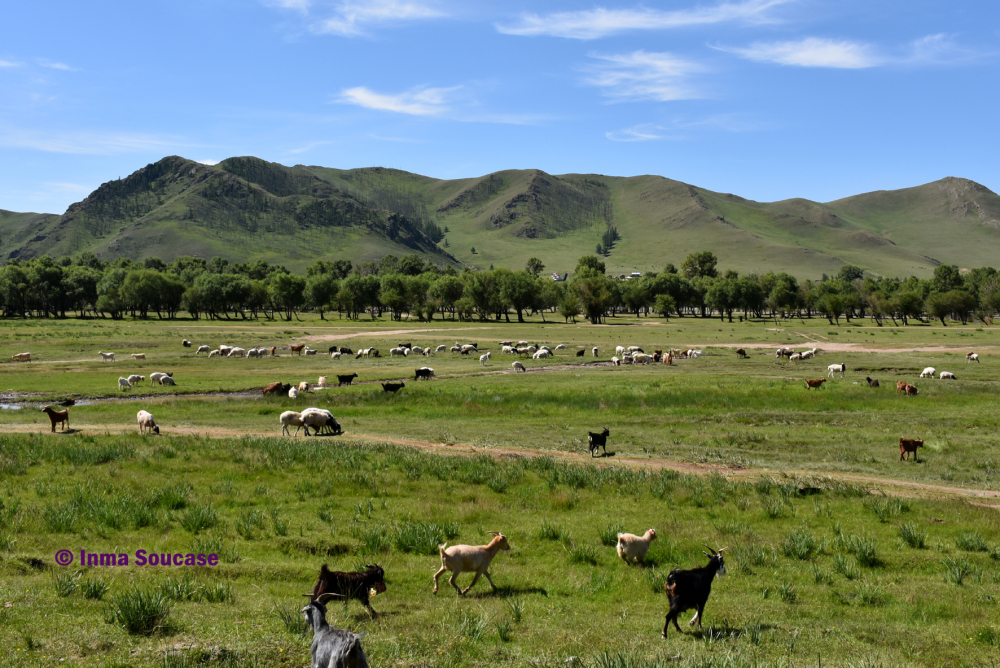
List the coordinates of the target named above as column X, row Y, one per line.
column 247, row 208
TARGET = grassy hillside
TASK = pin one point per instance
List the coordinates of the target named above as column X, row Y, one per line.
column 248, row 208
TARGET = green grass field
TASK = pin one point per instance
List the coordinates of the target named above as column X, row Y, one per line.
column 838, row 551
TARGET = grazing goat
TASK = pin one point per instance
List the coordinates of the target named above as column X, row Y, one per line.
column 21, row 357
column 900, row 386
column 123, row 384
column 947, row 374
column 808, row 354
column 542, row 355
column 784, row 352
column 298, row 349
column 392, row 387
column 291, row 419
column 139, row 356
column 616, row 361
column 580, row 353
column 276, row 388
column 322, row 422
column 215, row 353
column 742, row 354
column 458, row 558
column 397, row 351
column 561, row 346
column 106, row 357
column 135, row 379
column 641, row 358
column 517, row 367
column 331, row 647
column 167, row 380
column 335, row 355
column 928, row 372
column 304, row 386
column 442, row 348
column 57, row 417
column 834, row 369
column 810, row 384
column 908, row 445
column 356, row 586
column 972, row 357
column 424, row 372
column 346, row 380
column 872, row 382
column 911, row 390
column 595, row 351
column 202, row 349
column 484, row 358
column 691, row 588
column 146, row 422
column 794, row 357
column 632, row 549
column 186, row 343
column 598, row 441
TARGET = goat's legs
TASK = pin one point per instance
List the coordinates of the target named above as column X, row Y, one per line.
column 471, row 584
column 487, row 574
column 697, row 616
column 451, row 581
column 436, row 576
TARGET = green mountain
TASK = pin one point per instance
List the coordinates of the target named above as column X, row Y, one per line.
column 246, row 208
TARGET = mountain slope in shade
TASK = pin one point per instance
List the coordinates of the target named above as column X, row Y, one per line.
column 247, row 209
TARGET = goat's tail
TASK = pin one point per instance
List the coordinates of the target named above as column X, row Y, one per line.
column 441, row 548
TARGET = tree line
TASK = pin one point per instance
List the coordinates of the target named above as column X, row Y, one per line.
column 409, row 287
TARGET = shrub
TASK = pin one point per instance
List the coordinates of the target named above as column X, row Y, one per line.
column 972, row 541
column 138, row 611
column 200, row 517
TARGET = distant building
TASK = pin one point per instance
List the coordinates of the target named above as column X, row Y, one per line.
column 556, row 277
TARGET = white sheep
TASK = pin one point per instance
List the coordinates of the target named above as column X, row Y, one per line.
column 203, row 349
column 303, row 386
column 458, row 558
column 541, row 355
column 167, row 380
column 293, row 393
column 135, row 379
column 632, row 548
column 335, row 356
column 442, row 348
column 928, row 372
column 595, row 351
column 123, row 384
column 483, row 359
column 106, row 357
column 561, row 346
column 291, row 419
column 947, row 374
column 139, row 356
column 616, row 361
column 146, row 422
column 517, row 367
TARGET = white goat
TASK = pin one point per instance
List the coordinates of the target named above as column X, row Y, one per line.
column 541, row 355
column 304, row 386
column 155, row 377
column 947, row 374
column 928, row 372
column 616, row 361
column 442, row 348
column 335, row 356
column 293, row 393
column 203, row 349
column 397, row 351
column 139, row 356
column 632, row 548
column 123, row 384
column 836, row 368
column 483, row 359
column 972, row 357
column 794, row 357
column 167, row 380
column 561, row 346
column 106, row 357
column 146, row 422
column 517, row 367
column 236, row 352
column 458, row 558
column 135, row 379
column 214, row 353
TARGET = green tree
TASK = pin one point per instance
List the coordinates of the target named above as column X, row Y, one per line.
column 701, row 264
column 321, row 291
column 520, row 290
column 590, row 262
column 664, row 305
column 946, row 279
column 286, row 293
column 534, row 266
column 570, row 307
column 850, row 272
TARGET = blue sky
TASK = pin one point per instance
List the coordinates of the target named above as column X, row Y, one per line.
column 768, row 99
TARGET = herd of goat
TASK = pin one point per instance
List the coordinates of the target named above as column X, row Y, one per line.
column 686, row 589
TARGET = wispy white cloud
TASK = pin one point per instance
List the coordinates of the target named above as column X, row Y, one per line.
column 297, row 5
column 208, row 161
column 938, row 49
column 601, row 22
column 9, row 63
column 56, row 65
column 353, row 17
column 417, row 102
column 642, row 75
column 88, row 143
column 811, row 52
column 681, row 128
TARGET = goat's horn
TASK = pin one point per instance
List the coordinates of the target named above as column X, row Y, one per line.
column 725, row 548
column 714, row 551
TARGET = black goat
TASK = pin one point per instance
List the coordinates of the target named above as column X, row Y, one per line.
column 579, row 353
column 598, row 441
column 330, row 646
column 424, row 372
column 690, row 589
column 392, row 387
column 406, row 345
column 872, row 383
column 349, row 586
column 346, row 380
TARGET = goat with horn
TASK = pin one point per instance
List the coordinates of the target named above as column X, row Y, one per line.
column 690, row 588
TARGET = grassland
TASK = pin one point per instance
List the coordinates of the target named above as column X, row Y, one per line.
column 716, row 450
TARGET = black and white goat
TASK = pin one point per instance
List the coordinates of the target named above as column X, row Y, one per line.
column 332, row 648
column 690, row 589
column 598, row 441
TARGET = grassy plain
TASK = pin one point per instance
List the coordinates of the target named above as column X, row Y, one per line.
column 818, row 566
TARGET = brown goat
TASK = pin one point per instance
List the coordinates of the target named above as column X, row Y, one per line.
column 900, row 386
column 810, row 384
column 911, row 390
column 57, row 417
column 299, row 348
column 908, row 445
column 742, row 354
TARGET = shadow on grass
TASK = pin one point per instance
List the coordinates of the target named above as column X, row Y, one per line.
column 509, row 590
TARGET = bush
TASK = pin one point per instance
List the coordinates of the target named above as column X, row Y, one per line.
column 198, row 518
column 138, row 611
column 912, row 535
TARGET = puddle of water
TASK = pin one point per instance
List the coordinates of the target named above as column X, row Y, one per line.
column 11, row 407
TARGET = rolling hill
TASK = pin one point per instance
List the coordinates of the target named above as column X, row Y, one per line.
column 246, row 208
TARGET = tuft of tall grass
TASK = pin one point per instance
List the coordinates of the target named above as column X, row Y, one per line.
column 748, row 556
column 219, row 591
column 292, row 619
column 609, row 534
column 956, row 570
column 774, row 507
column 61, row 518
column 886, row 507
column 552, row 531
column 66, row 584
column 863, row 548
column 279, row 525
column 95, row 588
column 846, row 567
column 582, row 554
column 138, row 611
column 374, row 539
column 800, row 544
column 248, row 522
column 197, row 518
column 913, row 535
column 788, row 592
column 422, row 537
column 516, row 608
column 871, row 593
column 472, row 627
column 504, row 629
column 972, row 541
